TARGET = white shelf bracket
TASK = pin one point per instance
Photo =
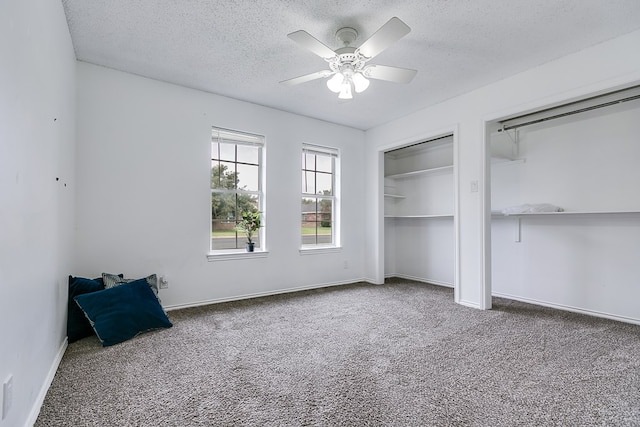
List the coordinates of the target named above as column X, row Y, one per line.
column 518, row 230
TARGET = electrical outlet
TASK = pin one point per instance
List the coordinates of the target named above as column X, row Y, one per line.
column 164, row 283
column 7, row 396
column 346, row 264
column 474, row 186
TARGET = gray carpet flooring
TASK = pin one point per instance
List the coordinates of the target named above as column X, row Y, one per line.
column 402, row 354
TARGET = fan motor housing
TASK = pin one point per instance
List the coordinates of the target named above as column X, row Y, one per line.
column 346, row 36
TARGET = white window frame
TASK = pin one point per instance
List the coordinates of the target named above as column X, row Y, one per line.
column 335, row 244
column 228, row 136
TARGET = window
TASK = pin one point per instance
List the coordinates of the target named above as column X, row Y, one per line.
column 319, row 196
column 236, row 186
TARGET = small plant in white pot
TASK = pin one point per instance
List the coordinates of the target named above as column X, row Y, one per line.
column 249, row 225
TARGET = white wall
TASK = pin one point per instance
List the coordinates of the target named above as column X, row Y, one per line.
column 604, row 66
column 144, row 198
column 37, row 132
column 586, row 162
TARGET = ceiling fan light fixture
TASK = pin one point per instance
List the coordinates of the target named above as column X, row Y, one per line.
column 360, row 82
column 348, row 65
column 335, row 83
column 345, row 91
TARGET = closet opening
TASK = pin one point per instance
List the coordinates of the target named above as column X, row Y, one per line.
column 562, row 214
column 419, row 211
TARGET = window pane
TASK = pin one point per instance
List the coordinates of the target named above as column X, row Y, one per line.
column 223, row 235
column 248, row 154
column 215, row 174
column 324, row 233
column 248, row 177
column 309, row 182
column 309, row 221
column 223, row 151
column 325, row 208
column 324, row 163
column 309, row 207
column 316, row 221
column 223, row 175
column 247, row 203
column 324, row 184
column 308, row 161
column 226, row 210
column 223, row 207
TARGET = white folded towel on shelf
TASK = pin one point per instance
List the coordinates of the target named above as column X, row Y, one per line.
column 531, row 208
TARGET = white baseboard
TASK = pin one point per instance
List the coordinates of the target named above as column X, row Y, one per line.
column 421, row 279
column 35, row 409
column 564, row 307
column 470, row 304
column 261, row 294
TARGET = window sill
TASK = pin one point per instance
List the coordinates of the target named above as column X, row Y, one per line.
column 239, row 254
column 314, row 250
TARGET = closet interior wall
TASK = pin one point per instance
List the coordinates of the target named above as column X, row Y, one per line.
column 586, row 257
column 419, row 226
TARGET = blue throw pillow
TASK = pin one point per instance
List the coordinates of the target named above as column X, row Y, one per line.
column 112, row 280
column 78, row 326
column 122, row 312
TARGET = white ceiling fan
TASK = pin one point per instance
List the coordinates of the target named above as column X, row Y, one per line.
column 348, row 64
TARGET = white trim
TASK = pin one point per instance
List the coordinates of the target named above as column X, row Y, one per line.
column 262, row 294
column 471, row 304
column 419, row 138
column 236, row 191
column 320, row 150
column 563, row 213
column 570, row 308
column 485, row 216
column 456, row 213
column 314, row 250
column 453, row 131
column 421, row 279
column 236, row 255
column 246, row 139
column 571, row 107
column 230, row 136
column 336, row 185
column 559, row 98
column 37, row 405
column 421, row 216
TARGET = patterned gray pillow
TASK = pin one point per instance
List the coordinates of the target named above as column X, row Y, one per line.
column 113, row 280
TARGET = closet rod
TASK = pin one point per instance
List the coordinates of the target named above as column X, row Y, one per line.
column 450, row 135
column 569, row 113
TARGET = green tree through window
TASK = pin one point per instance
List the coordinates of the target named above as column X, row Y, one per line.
column 229, row 206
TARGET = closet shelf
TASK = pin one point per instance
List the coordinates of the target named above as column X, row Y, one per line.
column 419, row 172
column 564, row 213
column 421, row 216
column 395, row 196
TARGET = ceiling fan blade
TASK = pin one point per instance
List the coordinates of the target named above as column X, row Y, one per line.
column 307, row 77
column 309, row 42
column 390, row 74
column 386, row 35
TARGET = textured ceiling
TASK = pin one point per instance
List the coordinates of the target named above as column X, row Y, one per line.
column 240, row 49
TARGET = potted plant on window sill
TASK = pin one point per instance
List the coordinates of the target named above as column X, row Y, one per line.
column 249, row 225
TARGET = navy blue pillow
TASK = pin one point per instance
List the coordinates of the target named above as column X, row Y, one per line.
column 120, row 313
column 78, row 325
